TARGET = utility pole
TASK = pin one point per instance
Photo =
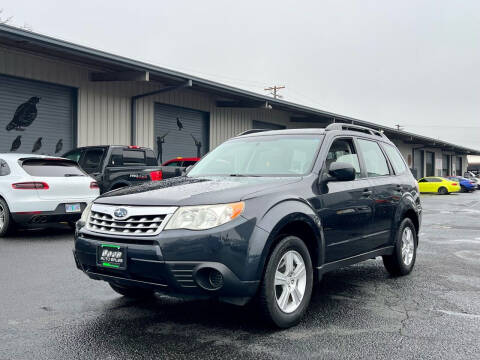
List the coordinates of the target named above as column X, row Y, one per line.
column 274, row 91
column 399, row 127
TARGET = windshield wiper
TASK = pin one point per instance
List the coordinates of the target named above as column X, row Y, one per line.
column 243, row 175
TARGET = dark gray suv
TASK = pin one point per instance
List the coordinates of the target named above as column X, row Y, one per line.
column 263, row 216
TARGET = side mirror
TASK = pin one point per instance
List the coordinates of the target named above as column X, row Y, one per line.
column 340, row 171
column 187, row 169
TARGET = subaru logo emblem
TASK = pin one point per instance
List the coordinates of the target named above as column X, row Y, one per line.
column 120, row 213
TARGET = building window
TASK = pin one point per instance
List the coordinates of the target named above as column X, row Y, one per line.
column 429, row 163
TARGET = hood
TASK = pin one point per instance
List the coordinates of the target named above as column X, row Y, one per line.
column 181, row 191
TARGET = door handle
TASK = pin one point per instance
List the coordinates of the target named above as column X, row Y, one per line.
column 366, row 193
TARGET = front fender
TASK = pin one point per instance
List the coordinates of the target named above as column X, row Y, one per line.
column 276, row 218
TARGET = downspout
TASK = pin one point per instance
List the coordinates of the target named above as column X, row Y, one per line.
column 133, row 106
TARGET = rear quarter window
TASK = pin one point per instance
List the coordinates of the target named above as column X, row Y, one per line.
column 134, row 157
column 51, row 168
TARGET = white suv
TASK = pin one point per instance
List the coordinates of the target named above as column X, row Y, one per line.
column 42, row 189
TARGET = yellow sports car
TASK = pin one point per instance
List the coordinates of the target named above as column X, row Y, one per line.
column 437, row 184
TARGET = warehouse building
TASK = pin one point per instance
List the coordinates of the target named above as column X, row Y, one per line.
column 55, row 95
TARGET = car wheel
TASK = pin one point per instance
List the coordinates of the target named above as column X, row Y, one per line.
column 463, row 189
column 132, row 291
column 443, row 191
column 6, row 222
column 287, row 283
column 402, row 260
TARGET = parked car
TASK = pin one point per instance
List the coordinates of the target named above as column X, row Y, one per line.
column 466, row 185
column 437, row 184
column 473, row 177
column 38, row 189
column 263, row 215
column 117, row 166
column 182, row 162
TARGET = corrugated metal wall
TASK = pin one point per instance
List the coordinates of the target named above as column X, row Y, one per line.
column 104, row 107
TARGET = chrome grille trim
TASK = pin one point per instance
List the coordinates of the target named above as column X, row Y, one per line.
column 140, row 220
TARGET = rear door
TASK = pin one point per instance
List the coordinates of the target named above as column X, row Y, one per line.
column 383, row 184
column 65, row 180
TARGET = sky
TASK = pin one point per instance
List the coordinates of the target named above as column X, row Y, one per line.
column 415, row 63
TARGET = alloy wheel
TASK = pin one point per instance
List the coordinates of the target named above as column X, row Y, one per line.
column 2, row 217
column 408, row 246
column 290, row 281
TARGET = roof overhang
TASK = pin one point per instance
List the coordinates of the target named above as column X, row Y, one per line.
column 114, row 68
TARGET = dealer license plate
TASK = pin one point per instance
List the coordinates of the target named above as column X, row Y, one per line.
column 112, row 256
column 72, row 208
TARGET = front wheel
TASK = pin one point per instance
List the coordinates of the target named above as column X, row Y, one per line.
column 402, row 260
column 287, row 284
column 132, row 292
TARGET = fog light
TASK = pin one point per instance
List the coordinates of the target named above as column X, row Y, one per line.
column 215, row 278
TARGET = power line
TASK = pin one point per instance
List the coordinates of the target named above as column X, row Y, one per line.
column 274, row 91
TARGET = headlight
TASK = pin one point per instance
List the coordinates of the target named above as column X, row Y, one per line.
column 86, row 213
column 204, row 216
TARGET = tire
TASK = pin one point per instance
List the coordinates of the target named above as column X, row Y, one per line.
column 278, row 296
column 132, row 291
column 443, row 191
column 397, row 264
column 6, row 222
column 463, row 189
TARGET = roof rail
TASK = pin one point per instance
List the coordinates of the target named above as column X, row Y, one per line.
column 252, row 131
column 344, row 126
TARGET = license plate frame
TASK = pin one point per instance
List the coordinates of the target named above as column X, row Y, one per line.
column 73, row 208
column 112, row 256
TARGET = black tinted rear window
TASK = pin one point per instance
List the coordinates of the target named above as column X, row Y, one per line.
column 134, row 157
column 51, row 168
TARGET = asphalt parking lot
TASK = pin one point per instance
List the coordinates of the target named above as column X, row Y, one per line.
column 50, row 310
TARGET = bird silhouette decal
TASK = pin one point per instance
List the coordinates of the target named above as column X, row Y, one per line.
column 160, row 142
column 16, row 143
column 198, row 145
column 179, row 124
column 24, row 116
column 59, row 146
column 37, row 146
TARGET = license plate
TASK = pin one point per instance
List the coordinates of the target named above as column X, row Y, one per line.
column 72, row 208
column 112, row 256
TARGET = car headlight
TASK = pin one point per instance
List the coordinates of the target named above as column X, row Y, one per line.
column 204, row 216
column 86, row 213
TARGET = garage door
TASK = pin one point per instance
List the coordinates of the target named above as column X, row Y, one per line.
column 35, row 117
column 180, row 132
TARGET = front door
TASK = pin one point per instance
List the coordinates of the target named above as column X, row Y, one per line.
column 345, row 207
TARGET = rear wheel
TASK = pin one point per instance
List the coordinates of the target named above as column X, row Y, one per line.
column 443, row 191
column 132, row 291
column 6, row 222
column 286, row 286
column 402, row 260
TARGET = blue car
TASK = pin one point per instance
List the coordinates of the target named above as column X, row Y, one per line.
column 465, row 184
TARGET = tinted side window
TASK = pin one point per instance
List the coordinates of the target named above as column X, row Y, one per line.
column 396, row 159
column 134, row 157
column 342, row 150
column 434, row 180
column 174, row 163
column 92, row 160
column 375, row 162
column 4, row 169
column 188, row 163
column 422, row 180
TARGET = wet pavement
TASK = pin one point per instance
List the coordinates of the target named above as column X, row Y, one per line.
column 50, row 310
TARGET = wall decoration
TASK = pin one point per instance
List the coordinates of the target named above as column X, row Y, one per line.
column 198, row 145
column 179, row 124
column 160, row 142
column 37, row 146
column 59, row 146
column 24, row 116
column 16, row 143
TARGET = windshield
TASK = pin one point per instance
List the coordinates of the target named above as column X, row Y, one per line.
column 282, row 155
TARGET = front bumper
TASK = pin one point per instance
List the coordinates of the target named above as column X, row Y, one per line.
column 176, row 262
